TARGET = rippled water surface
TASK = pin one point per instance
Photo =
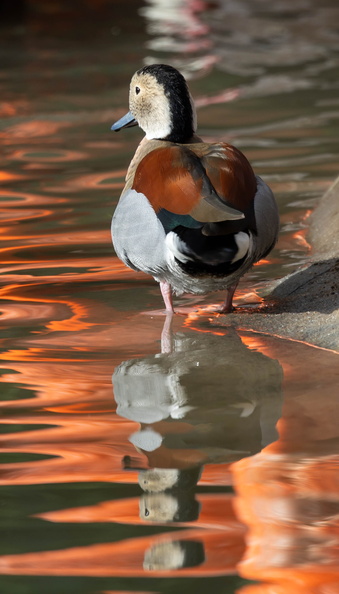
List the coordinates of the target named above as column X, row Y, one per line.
column 122, row 465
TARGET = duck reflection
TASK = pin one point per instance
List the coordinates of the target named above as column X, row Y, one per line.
column 210, row 400
column 175, row 554
column 169, row 507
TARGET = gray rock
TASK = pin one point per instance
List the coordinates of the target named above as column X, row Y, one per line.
column 324, row 225
column 305, row 305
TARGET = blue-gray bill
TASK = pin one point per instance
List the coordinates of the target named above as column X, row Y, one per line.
column 127, row 121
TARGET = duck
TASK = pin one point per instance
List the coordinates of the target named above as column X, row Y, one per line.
column 192, row 214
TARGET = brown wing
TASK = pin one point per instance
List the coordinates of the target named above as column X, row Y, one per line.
column 174, row 178
column 229, row 172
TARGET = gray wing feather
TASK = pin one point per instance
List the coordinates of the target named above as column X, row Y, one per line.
column 137, row 234
column 267, row 220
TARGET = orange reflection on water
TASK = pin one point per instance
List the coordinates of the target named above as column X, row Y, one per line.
column 217, row 512
column 93, row 180
column 300, row 238
column 242, row 297
column 53, row 156
column 74, row 322
column 55, row 237
column 11, row 217
column 84, row 446
column 70, row 402
column 291, row 508
column 193, row 317
column 249, row 296
column 7, row 109
column 288, row 494
column 290, row 588
column 255, row 342
column 23, row 198
column 130, row 557
column 35, row 128
column 217, row 529
column 104, row 268
column 6, row 176
column 88, row 442
column 71, row 391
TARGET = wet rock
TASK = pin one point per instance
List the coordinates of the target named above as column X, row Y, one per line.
column 324, row 225
column 305, row 305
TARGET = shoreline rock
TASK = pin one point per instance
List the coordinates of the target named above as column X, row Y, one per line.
column 305, row 304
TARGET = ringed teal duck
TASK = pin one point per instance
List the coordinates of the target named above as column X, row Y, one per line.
column 192, row 214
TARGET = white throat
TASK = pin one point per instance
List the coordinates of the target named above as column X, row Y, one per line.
column 157, row 130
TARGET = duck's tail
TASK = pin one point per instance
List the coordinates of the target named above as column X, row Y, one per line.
column 192, row 247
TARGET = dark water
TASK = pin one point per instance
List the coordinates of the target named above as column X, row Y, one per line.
column 217, row 460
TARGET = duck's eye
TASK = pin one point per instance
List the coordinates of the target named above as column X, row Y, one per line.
column 137, row 90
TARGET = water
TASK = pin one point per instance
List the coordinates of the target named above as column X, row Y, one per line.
column 241, row 428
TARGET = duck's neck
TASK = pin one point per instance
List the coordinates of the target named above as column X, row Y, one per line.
column 194, row 139
column 183, row 122
column 175, row 129
column 182, row 119
column 179, row 137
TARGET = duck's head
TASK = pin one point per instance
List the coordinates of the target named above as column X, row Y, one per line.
column 161, row 104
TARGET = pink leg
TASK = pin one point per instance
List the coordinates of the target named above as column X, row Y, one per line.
column 166, row 292
column 227, row 307
column 166, row 335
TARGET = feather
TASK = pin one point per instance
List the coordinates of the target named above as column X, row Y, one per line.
column 170, row 221
column 180, row 184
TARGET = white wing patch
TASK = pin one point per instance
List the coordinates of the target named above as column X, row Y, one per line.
column 174, row 245
column 243, row 242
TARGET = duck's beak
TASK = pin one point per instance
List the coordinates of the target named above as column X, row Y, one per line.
column 127, row 121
